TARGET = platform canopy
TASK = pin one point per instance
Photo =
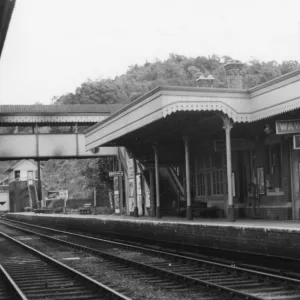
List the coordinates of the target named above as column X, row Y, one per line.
column 166, row 114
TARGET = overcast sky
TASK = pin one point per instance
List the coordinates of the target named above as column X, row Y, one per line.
column 53, row 46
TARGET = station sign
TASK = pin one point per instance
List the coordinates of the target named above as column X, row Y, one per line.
column 236, row 144
column 296, row 141
column 115, row 174
column 287, row 126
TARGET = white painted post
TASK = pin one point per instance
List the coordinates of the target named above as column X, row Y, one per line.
column 135, row 210
column 95, row 200
column 152, row 201
column 228, row 126
column 189, row 213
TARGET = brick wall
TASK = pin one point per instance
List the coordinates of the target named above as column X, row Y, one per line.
column 255, row 240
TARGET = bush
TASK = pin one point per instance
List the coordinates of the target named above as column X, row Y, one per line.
column 58, row 210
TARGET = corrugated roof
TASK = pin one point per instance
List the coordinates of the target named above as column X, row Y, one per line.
column 60, row 109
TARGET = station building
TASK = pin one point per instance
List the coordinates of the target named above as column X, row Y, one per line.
column 230, row 151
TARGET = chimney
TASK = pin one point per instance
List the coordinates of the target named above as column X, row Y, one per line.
column 203, row 81
column 234, row 74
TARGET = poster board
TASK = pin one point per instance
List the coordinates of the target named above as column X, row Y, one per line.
column 131, row 188
column 130, row 168
column 116, row 183
column 138, row 184
column 131, row 204
column 117, row 202
column 147, row 195
column 140, row 204
column 261, row 181
column 139, row 193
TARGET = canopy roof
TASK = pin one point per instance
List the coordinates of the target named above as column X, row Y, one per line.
column 242, row 106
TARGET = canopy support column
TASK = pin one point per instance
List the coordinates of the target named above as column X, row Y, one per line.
column 135, row 210
column 189, row 212
column 120, row 188
column 39, row 182
column 152, row 201
column 228, row 126
column 157, row 181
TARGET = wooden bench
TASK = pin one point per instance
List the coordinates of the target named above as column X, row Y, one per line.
column 43, row 211
column 200, row 209
column 86, row 209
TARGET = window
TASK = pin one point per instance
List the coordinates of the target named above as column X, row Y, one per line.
column 209, row 176
column 17, row 174
column 210, row 183
column 217, row 180
column 200, row 184
column 29, row 174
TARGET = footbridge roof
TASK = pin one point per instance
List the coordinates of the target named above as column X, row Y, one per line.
column 59, row 114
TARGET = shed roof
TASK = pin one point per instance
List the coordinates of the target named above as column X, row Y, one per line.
column 13, row 166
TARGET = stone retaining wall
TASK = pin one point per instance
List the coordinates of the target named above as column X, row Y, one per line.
column 272, row 241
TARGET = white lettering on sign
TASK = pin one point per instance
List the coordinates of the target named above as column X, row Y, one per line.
column 289, row 126
column 117, row 173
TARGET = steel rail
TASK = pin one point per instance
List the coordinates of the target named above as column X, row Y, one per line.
column 13, row 286
column 160, row 252
column 82, row 277
column 127, row 261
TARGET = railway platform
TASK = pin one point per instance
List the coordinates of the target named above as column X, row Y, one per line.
column 280, row 238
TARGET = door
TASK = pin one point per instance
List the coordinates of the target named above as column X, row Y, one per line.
column 295, row 173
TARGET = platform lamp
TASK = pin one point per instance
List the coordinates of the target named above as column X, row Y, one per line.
column 268, row 129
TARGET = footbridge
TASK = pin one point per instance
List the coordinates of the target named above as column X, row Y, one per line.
column 51, row 131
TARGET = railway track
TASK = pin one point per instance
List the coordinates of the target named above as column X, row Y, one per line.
column 30, row 274
column 278, row 265
column 8, row 288
column 232, row 281
column 97, row 269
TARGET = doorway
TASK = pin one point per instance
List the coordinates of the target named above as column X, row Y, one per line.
column 295, row 186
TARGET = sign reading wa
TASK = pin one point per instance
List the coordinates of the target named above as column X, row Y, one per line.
column 287, row 126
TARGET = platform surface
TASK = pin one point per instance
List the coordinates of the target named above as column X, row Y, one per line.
column 240, row 223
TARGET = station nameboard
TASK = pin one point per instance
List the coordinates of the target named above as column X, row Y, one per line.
column 296, row 141
column 115, row 174
column 236, row 144
column 287, row 126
